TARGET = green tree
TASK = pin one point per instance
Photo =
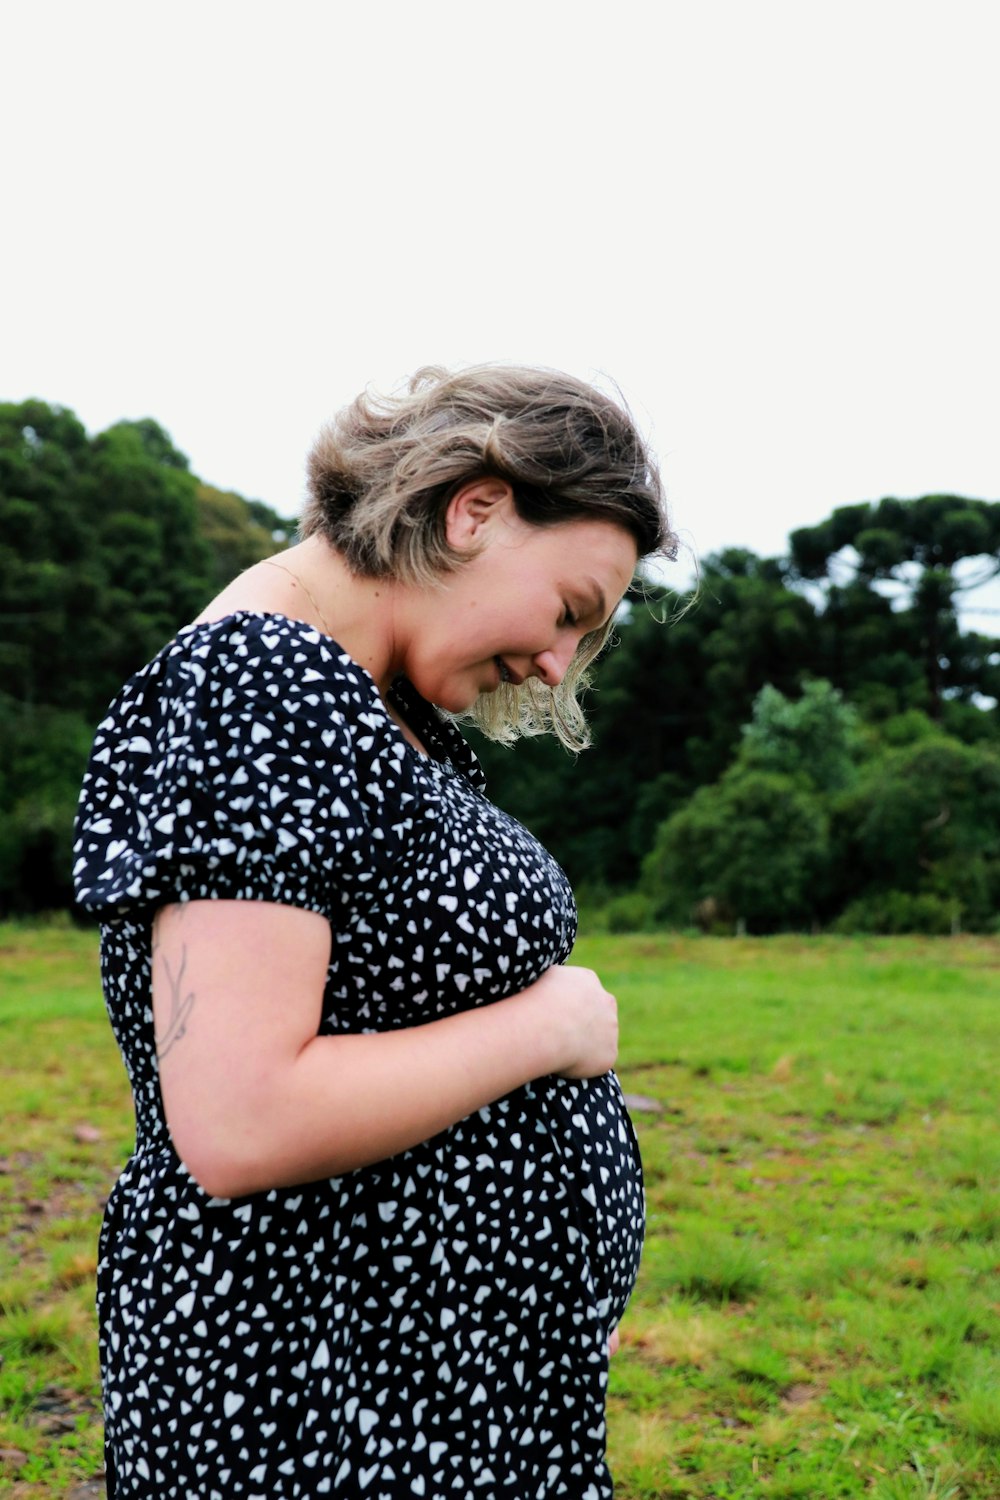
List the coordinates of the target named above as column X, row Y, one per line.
column 889, row 573
column 107, row 546
column 752, row 848
column 237, row 533
column 813, row 738
column 923, row 821
column 42, row 755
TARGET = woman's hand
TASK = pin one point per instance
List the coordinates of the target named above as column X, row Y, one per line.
column 588, row 1014
column 613, row 1341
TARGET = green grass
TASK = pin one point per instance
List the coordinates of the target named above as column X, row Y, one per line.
column 818, row 1312
column 819, row 1305
column 59, row 1070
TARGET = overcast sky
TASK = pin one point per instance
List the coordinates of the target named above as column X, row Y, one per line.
column 773, row 224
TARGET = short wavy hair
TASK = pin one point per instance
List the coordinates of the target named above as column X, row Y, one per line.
column 382, row 473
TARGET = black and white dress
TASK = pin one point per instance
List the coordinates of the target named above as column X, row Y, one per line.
column 434, row 1325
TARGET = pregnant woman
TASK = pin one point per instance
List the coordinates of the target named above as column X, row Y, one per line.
column 385, row 1208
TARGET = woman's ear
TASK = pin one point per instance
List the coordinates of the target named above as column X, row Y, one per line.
column 474, row 509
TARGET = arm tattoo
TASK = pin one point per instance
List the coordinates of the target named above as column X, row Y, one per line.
column 180, row 1005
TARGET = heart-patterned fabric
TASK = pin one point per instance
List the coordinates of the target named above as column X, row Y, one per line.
column 434, row 1325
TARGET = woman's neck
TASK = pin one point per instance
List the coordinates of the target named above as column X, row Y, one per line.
column 311, row 581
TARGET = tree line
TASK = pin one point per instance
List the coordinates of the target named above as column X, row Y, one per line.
column 809, row 741
column 107, row 545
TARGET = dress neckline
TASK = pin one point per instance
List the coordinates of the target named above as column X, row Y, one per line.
column 427, row 722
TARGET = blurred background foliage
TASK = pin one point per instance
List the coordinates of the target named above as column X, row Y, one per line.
column 812, row 741
column 108, row 544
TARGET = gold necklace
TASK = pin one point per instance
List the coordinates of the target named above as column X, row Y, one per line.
column 271, row 563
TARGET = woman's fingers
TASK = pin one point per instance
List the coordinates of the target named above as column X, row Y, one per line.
column 613, row 1341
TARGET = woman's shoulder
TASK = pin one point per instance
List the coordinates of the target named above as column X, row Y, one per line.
column 249, row 638
column 234, row 764
column 247, row 655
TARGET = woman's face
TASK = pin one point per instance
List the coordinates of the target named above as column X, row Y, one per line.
column 519, row 605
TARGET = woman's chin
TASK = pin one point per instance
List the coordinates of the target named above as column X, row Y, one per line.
column 454, row 700
column 459, row 697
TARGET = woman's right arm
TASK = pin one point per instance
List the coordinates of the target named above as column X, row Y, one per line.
column 254, row 1099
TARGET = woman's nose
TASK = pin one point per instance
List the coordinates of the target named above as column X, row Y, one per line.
column 551, row 666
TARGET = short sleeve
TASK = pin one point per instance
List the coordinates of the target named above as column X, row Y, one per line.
column 226, row 770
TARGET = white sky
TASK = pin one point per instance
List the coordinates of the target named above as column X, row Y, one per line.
column 773, row 224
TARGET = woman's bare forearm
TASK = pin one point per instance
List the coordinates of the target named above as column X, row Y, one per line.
column 255, row 1098
column 348, row 1101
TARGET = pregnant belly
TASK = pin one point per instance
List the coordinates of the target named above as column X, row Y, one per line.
column 590, row 1124
column 532, row 1203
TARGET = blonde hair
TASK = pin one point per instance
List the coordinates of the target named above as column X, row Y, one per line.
column 381, row 474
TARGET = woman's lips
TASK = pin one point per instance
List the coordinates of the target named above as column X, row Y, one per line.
column 507, row 674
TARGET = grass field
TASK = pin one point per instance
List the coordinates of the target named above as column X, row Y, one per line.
column 818, row 1312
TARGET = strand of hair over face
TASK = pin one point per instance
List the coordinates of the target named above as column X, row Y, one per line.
column 521, row 710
